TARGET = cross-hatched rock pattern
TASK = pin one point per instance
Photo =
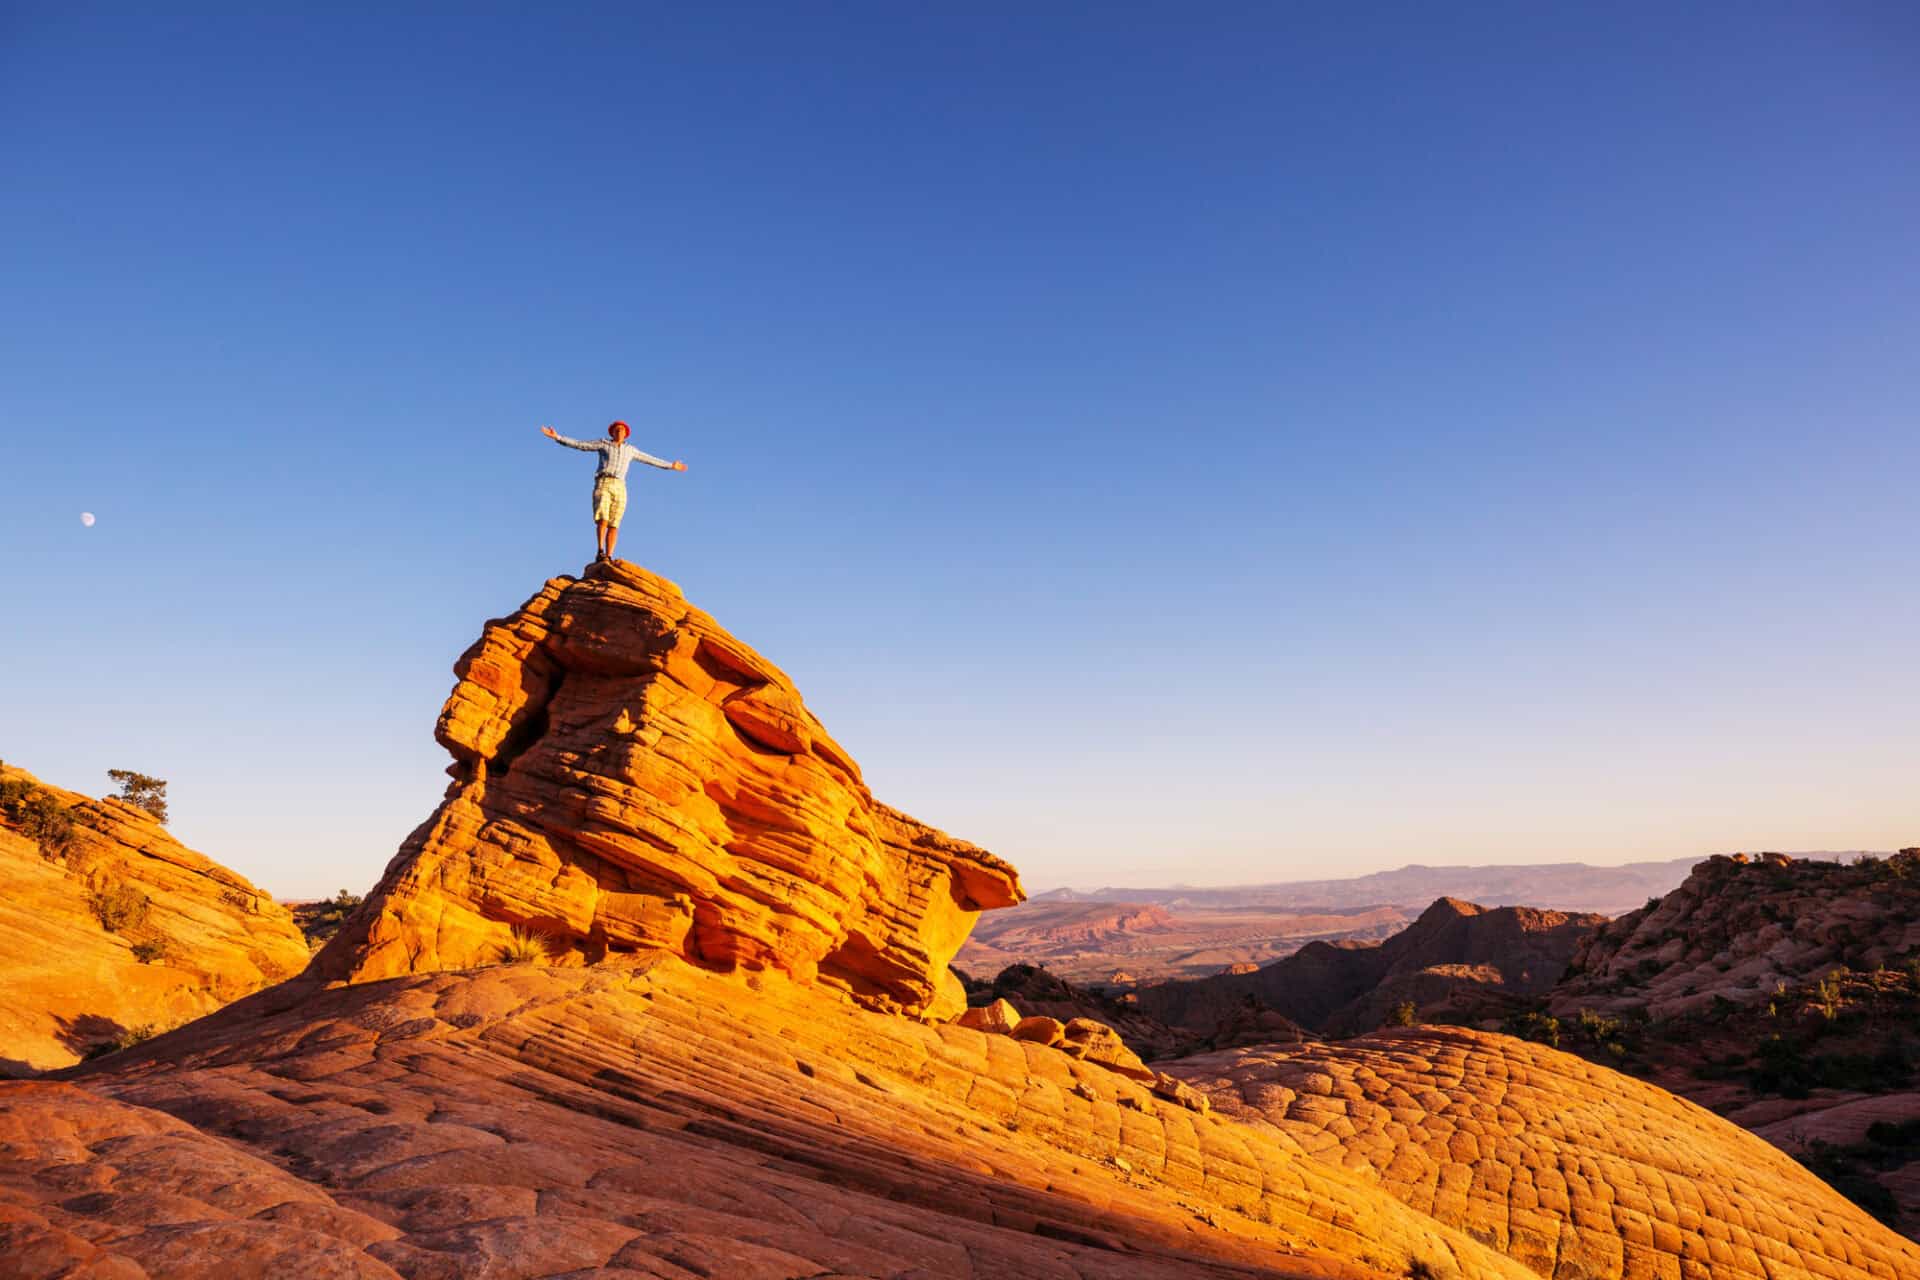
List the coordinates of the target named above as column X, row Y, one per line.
column 647, row 1118
column 1577, row 1171
column 629, row 775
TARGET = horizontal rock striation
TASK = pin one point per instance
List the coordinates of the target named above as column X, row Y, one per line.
column 630, row 776
column 116, row 928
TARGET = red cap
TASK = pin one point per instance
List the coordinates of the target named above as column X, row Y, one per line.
column 623, row 426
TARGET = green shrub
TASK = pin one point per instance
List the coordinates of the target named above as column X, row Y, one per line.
column 142, row 791
column 1542, row 1028
column 1901, row 1137
column 151, row 950
column 119, row 907
column 126, row 1039
column 37, row 813
column 1402, row 1014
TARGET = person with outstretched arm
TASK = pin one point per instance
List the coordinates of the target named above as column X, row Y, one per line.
column 610, row 480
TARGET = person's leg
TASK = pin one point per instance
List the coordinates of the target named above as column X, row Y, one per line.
column 616, row 507
column 601, row 544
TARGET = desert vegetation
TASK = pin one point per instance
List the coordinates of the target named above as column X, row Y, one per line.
column 142, row 791
column 37, row 814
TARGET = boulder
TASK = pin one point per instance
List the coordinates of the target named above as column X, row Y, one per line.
column 1040, row 1029
column 998, row 1018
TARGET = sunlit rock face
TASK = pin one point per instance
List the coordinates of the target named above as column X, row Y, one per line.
column 628, row 776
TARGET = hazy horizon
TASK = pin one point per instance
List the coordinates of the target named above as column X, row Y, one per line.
column 1279, row 447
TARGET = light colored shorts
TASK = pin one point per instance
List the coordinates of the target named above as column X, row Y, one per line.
column 609, row 500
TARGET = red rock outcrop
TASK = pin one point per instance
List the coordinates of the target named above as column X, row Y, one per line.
column 628, row 775
column 187, row 935
column 1742, row 928
column 1570, row 1168
column 1455, row 952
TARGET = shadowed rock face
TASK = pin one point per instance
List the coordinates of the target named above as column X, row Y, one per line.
column 628, row 775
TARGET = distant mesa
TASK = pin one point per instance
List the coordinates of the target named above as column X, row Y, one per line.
column 1563, row 886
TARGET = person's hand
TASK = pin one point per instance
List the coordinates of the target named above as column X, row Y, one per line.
column 679, row 466
column 549, row 433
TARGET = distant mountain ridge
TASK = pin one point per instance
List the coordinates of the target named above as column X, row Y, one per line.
column 1560, row 886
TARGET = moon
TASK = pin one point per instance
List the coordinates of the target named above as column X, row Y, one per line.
column 86, row 518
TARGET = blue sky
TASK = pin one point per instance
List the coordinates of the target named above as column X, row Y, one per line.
column 1221, row 444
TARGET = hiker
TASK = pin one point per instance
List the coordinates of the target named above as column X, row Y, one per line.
column 610, row 480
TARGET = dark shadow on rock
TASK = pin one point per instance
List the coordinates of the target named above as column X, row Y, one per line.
column 87, row 1031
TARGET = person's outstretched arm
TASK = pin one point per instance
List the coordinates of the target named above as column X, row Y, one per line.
column 591, row 446
column 661, row 463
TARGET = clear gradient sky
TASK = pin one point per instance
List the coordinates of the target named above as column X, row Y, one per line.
column 1165, row 443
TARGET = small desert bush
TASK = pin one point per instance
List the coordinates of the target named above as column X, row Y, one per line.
column 119, row 907
column 1543, row 1028
column 127, row 1038
column 37, row 814
column 525, row 946
column 1403, row 1014
column 151, row 950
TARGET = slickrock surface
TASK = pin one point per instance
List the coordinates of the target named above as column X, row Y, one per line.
column 1575, row 1170
column 69, row 984
column 654, row 1119
column 1782, row 993
column 1739, row 928
column 628, row 775
column 1455, row 952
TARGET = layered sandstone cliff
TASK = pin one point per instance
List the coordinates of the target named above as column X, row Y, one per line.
column 630, row 776
column 114, row 928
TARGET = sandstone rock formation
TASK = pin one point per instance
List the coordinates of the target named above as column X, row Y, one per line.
column 628, row 775
column 1572, row 1169
column 719, row 1056
column 187, row 934
column 1740, row 928
column 648, row 1118
column 1454, row 950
